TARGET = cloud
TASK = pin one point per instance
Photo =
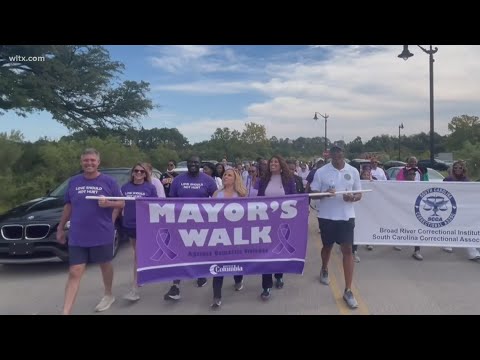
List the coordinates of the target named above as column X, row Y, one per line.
column 197, row 58
column 366, row 90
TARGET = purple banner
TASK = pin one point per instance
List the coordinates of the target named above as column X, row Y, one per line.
column 186, row 238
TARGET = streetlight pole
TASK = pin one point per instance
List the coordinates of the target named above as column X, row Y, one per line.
column 405, row 55
column 325, row 117
column 399, row 127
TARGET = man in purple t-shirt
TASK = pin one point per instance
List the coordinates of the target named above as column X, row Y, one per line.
column 92, row 232
column 192, row 184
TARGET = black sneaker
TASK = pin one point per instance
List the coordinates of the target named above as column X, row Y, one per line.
column 201, row 282
column 265, row 295
column 173, row 293
column 279, row 283
column 217, row 303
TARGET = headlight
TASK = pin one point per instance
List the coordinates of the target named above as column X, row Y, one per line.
column 67, row 225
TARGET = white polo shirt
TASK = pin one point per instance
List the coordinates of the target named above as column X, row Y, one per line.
column 335, row 208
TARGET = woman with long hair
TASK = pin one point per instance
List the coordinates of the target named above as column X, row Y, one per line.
column 211, row 170
column 459, row 172
column 277, row 180
column 139, row 186
column 233, row 187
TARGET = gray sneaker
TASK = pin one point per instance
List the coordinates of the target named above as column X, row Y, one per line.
column 350, row 299
column 238, row 286
column 417, row 256
column 324, row 279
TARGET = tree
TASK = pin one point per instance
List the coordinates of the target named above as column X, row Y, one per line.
column 355, row 147
column 254, row 134
column 463, row 128
column 76, row 84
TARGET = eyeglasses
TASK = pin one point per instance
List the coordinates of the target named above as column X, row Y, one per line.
column 171, row 165
column 139, row 171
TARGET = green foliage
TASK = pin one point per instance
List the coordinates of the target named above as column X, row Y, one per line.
column 471, row 154
column 28, row 169
column 77, row 84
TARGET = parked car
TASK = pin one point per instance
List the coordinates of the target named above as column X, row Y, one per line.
column 393, row 163
column 433, row 175
column 28, row 231
column 437, row 164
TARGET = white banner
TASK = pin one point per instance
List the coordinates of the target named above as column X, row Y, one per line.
column 419, row 213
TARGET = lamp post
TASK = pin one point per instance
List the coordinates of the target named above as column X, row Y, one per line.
column 405, row 55
column 325, row 117
column 399, row 127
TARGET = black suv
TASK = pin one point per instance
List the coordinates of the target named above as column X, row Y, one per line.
column 28, row 231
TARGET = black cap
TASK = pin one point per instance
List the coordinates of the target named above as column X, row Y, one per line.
column 336, row 147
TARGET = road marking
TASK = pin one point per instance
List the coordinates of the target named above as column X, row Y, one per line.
column 362, row 306
column 334, row 284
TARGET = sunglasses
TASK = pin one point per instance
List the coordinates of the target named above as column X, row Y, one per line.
column 139, row 171
column 252, row 171
column 171, row 165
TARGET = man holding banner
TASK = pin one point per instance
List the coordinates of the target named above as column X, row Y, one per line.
column 192, row 184
column 92, row 232
column 336, row 215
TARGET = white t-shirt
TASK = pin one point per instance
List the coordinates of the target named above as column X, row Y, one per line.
column 335, row 208
column 378, row 173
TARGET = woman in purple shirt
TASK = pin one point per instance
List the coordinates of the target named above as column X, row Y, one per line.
column 139, row 186
column 277, row 180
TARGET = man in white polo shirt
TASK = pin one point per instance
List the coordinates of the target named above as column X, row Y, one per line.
column 336, row 215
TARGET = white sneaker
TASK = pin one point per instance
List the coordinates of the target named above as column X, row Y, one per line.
column 132, row 295
column 398, row 248
column 448, row 250
column 356, row 258
column 417, row 256
column 105, row 303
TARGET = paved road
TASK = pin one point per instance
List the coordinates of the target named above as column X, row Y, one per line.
column 385, row 282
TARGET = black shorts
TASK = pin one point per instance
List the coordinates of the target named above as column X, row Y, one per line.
column 131, row 233
column 336, row 231
column 90, row 255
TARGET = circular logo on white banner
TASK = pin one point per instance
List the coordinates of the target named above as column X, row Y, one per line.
column 435, row 207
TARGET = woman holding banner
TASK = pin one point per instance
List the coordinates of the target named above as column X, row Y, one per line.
column 277, row 180
column 232, row 187
column 459, row 173
column 139, row 186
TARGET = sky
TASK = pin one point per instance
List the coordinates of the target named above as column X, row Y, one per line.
column 365, row 90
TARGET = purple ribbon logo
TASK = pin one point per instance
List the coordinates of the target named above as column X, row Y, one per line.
column 163, row 239
column 283, row 235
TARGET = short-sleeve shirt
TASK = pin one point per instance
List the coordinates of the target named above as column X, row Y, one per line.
column 90, row 224
column 135, row 190
column 186, row 185
column 335, row 208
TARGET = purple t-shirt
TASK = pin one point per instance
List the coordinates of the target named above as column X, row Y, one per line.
column 185, row 186
column 90, row 224
column 135, row 190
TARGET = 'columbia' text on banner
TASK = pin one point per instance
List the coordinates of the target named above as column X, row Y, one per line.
column 186, row 238
column 422, row 213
